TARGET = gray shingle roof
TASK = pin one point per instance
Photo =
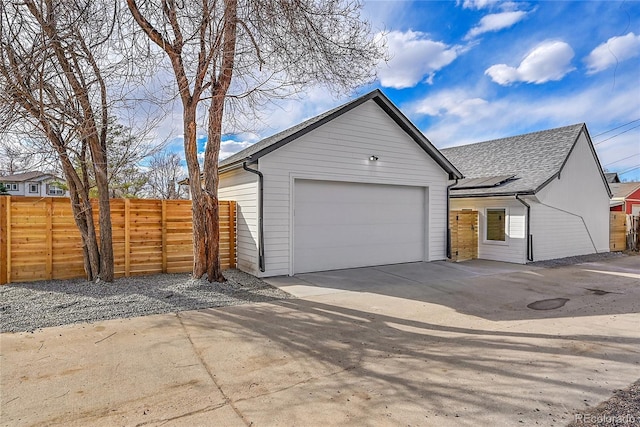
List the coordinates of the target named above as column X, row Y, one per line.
column 25, row 176
column 271, row 143
column 612, row 177
column 533, row 158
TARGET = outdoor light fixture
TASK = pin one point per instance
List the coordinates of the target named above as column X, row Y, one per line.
column 373, row 158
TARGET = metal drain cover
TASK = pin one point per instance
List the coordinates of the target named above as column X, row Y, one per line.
column 598, row 291
column 548, row 304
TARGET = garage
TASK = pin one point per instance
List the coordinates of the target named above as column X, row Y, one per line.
column 345, row 224
column 355, row 186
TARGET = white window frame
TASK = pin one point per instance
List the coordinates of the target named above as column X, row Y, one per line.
column 54, row 190
column 11, row 186
column 32, row 186
column 507, row 217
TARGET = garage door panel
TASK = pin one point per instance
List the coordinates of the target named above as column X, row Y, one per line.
column 344, row 225
column 353, row 256
column 349, row 235
column 357, row 214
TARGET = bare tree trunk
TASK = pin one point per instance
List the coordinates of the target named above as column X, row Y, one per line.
column 212, row 151
column 206, row 227
column 199, row 219
column 104, row 214
column 83, row 216
column 211, row 179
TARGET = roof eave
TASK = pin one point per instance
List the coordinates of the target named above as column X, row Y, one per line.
column 507, row 194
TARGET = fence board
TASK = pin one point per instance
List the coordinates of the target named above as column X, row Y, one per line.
column 39, row 239
column 4, row 200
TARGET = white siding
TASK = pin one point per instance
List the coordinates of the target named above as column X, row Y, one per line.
column 242, row 186
column 19, row 191
column 558, row 234
column 573, row 218
column 24, row 188
column 339, row 151
column 514, row 249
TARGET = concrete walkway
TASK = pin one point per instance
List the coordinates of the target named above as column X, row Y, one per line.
column 415, row 344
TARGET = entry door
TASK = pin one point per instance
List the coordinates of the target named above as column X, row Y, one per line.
column 345, row 225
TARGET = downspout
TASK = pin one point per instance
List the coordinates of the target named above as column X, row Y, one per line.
column 260, row 215
column 449, row 220
column 529, row 236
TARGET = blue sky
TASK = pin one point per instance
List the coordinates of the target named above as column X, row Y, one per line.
column 475, row 70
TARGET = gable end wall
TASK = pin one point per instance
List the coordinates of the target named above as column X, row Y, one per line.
column 572, row 216
column 339, row 151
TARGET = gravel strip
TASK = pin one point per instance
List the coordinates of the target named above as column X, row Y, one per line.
column 622, row 410
column 561, row 262
column 33, row 305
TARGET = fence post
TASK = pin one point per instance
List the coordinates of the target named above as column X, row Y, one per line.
column 232, row 234
column 127, row 237
column 164, row 236
column 4, row 231
column 8, row 238
column 49, row 231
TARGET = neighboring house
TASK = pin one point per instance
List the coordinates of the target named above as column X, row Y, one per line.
column 626, row 197
column 538, row 196
column 356, row 186
column 33, row 184
column 612, row 177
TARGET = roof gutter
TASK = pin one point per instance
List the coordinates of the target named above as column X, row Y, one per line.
column 260, row 214
column 509, row 194
column 528, row 231
column 448, row 220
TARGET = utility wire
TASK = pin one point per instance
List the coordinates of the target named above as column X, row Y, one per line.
column 625, row 158
column 617, row 134
column 616, row 128
column 629, row 170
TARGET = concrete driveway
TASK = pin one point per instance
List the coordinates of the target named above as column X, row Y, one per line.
column 413, row 344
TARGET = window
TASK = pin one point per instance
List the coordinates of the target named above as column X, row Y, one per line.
column 33, row 188
column 55, row 190
column 11, row 186
column 496, row 224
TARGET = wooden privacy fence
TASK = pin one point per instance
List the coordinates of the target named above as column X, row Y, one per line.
column 617, row 231
column 39, row 239
column 464, row 235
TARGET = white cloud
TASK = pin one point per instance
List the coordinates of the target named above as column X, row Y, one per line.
column 549, row 61
column 496, row 22
column 450, row 102
column 229, row 147
column 414, row 58
column 614, row 50
column 478, row 4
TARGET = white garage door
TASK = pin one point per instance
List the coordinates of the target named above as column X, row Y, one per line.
column 344, row 225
